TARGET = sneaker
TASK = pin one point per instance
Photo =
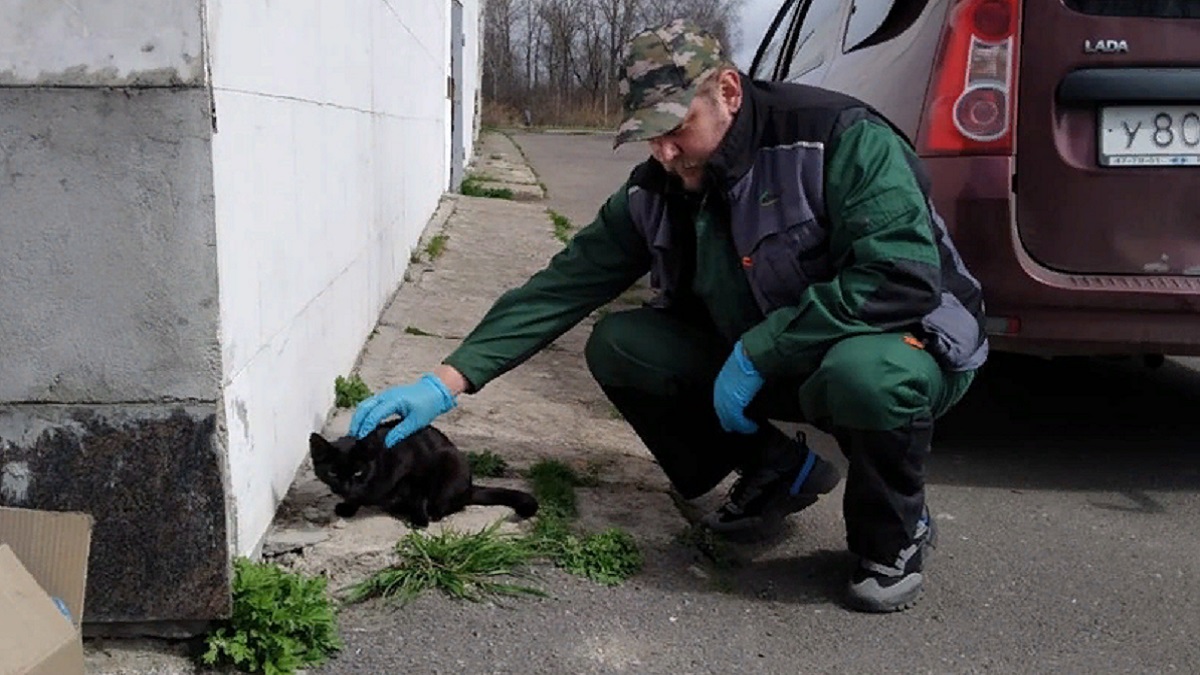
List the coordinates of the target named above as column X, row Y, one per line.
column 875, row 587
column 762, row 497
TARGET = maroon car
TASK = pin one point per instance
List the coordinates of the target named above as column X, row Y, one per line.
column 1063, row 138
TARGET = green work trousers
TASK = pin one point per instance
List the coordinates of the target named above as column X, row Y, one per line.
column 658, row 369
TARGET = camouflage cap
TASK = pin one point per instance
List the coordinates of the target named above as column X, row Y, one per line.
column 662, row 69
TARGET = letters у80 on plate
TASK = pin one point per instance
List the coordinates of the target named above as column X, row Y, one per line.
column 1160, row 135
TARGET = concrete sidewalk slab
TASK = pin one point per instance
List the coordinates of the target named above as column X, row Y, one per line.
column 499, row 164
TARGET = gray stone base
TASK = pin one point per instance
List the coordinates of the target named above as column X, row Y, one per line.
column 153, row 630
column 152, row 477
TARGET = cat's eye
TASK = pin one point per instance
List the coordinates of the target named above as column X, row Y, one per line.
column 360, row 473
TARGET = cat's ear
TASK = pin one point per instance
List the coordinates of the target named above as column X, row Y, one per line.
column 320, row 448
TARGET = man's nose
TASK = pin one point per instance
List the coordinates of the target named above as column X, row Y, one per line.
column 663, row 150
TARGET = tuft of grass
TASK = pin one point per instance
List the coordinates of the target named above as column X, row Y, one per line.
column 351, row 391
column 472, row 186
column 466, row 566
column 281, row 622
column 487, row 464
column 436, row 246
column 562, row 225
column 413, row 330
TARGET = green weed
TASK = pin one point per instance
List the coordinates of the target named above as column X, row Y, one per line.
column 436, row 246
column 281, row 622
column 562, row 225
column 487, row 464
column 473, row 187
column 608, row 557
column 351, row 391
column 554, row 486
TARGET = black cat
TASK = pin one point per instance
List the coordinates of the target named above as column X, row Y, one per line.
column 423, row 478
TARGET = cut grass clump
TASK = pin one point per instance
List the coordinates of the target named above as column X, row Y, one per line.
column 349, row 392
column 487, row 464
column 281, row 622
column 463, row 566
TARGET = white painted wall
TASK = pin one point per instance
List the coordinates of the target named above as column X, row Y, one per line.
column 144, row 42
column 328, row 161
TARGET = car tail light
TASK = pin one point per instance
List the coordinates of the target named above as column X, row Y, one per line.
column 971, row 105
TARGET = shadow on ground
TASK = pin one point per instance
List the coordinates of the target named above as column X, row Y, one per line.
column 1074, row 424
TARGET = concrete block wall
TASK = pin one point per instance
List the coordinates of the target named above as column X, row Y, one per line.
column 109, row 352
column 207, row 203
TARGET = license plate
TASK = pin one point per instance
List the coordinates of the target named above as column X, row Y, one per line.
column 1150, row 135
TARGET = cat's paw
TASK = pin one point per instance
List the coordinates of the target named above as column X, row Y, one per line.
column 346, row 510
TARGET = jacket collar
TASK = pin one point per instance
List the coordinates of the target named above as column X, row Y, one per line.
column 735, row 154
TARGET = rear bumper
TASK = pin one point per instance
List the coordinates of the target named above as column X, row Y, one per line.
column 1050, row 312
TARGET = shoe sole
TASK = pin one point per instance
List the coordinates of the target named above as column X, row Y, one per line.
column 904, row 595
column 914, row 586
column 762, row 525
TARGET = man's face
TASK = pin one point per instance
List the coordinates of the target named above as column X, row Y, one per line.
column 686, row 149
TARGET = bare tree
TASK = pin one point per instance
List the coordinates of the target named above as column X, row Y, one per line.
column 499, row 18
column 560, row 57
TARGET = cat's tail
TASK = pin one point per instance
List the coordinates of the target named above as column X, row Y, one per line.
column 522, row 502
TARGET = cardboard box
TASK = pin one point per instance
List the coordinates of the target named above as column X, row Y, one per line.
column 43, row 577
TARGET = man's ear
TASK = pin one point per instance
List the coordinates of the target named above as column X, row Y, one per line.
column 729, row 83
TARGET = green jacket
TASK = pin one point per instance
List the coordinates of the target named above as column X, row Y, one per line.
column 816, row 225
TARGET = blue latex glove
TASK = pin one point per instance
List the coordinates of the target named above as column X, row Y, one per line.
column 418, row 404
column 736, row 385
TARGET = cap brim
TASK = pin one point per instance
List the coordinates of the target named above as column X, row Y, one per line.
column 656, row 119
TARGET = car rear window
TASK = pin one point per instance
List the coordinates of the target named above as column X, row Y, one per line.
column 1163, row 9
